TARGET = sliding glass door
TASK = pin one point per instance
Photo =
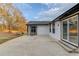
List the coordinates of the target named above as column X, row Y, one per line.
column 73, row 34
column 70, row 30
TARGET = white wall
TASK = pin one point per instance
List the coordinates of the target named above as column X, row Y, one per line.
column 42, row 29
column 29, row 30
column 57, row 34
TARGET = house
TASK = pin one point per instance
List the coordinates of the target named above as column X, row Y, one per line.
column 65, row 27
column 38, row 27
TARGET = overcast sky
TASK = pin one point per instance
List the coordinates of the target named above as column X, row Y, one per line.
column 43, row 11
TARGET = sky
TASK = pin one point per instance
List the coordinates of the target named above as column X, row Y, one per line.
column 42, row 11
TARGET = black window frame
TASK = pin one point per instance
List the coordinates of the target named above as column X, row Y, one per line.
column 50, row 28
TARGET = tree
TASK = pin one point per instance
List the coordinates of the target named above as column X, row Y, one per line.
column 13, row 17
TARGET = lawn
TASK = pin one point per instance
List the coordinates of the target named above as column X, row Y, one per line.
column 6, row 36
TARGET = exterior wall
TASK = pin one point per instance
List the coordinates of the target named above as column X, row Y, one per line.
column 28, row 30
column 42, row 29
column 57, row 34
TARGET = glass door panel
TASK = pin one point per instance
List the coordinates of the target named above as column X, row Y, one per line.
column 73, row 30
column 33, row 30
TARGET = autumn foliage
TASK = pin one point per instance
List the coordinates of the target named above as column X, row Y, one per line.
column 11, row 19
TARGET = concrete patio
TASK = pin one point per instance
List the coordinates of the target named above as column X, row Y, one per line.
column 32, row 46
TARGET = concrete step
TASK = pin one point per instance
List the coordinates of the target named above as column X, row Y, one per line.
column 77, row 50
column 68, row 45
column 65, row 47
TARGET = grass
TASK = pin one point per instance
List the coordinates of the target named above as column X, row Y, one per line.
column 5, row 37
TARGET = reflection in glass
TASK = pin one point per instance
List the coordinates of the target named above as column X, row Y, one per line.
column 70, row 29
column 73, row 30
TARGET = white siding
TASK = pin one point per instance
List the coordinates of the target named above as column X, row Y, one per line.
column 56, row 35
column 29, row 30
column 42, row 29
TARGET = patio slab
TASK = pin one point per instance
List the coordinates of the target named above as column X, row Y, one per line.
column 33, row 46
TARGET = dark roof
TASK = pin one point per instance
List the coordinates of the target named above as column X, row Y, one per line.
column 39, row 22
column 68, row 12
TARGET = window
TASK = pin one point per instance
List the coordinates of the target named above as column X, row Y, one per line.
column 65, row 32
column 33, row 29
column 50, row 27
column 53, row 27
